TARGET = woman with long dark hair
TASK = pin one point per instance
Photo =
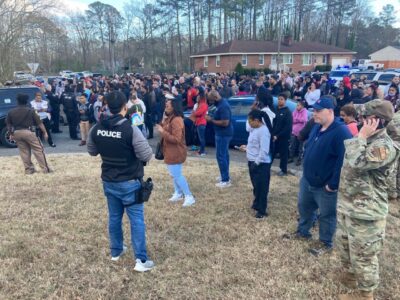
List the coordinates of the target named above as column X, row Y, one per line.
column 172, row 132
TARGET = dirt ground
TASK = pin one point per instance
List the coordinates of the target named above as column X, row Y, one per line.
column 54, row 242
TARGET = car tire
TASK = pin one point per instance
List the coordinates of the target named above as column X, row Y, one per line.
column 6, row 140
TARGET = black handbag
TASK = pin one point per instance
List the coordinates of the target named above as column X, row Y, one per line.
column 159, row 151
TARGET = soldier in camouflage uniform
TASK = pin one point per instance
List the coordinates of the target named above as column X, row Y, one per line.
column 393, row 130
column 363, row 200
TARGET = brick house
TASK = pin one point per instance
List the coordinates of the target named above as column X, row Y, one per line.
column 294, row 56
column 388, row 56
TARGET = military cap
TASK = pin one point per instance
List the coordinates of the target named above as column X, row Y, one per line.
column 381, row 108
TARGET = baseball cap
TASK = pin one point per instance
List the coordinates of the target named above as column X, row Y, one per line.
column 324, row 103
column 383, row 109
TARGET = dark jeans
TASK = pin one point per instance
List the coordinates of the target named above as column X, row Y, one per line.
column 46, row 123
column 55, row 117
column 201, row 133
column 222, row 154
column 310, row 200
column 296, row 147
column 72, row 123
column 282, row 147
column 148, row 121
column 260, row 177
column 190, row 132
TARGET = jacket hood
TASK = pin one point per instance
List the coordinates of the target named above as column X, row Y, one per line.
column 112, row 121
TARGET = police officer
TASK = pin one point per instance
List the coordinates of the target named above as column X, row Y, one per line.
column 20, row 123
column 70, row 104
column 123, row 150
column 55, row 109
column 363, row 200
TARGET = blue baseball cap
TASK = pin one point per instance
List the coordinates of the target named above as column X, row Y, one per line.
column 324, row 103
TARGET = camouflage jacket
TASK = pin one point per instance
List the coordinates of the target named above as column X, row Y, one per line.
column 363, row 191
column 393, row 130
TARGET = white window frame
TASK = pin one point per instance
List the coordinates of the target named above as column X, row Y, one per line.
column 263, row 59
column 205, row 62
column 309, row 61
column 244, row 56
column 218, row 60
column 289, row 59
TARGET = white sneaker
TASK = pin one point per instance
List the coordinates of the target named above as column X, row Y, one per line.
column 223, row 184
column 176, row 197
column 189, row 201
column 143, row 267
column 116, row 258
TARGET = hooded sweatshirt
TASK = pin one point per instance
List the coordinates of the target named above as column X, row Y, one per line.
column 324, row 153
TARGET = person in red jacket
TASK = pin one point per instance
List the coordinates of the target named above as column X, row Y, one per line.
column 200, row 112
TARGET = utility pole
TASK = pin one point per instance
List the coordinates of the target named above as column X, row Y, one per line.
column 278, row 59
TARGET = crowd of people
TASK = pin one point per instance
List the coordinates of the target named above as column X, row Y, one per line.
column 349, row 150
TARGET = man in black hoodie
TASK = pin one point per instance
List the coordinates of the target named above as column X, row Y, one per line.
column 282, row 131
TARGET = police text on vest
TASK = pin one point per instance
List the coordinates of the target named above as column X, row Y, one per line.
column 106, row 133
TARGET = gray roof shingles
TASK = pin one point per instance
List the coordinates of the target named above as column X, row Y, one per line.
column 242, row 46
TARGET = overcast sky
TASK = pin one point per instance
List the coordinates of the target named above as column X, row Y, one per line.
column 81, row 5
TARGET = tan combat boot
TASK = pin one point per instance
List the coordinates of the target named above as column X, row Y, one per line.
column 348, row 279
column 360, row 295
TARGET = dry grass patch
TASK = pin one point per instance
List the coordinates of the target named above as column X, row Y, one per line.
column 54, row 242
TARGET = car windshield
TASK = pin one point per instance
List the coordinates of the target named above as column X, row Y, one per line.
column 369, row 75
column 339, row 73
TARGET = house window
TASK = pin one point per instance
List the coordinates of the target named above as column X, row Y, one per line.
column 205, row 61
column 324, row 59
column 306, row 59
column 217, row 61
column 244, row 59
column 261, row 59
column 273, row 59
column 287, row 59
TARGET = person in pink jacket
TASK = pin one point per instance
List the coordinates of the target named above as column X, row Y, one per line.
column 300, row 118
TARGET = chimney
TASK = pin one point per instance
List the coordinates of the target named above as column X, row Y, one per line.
column 287, row 40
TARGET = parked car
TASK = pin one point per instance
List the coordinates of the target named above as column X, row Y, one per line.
column 87, row 74
column 66, row 73
column 383, row 78
column 240, row 108
column 8, row 101
column 337, row 75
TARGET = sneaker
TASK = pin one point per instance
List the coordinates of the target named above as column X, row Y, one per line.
column 176, row 197
column 116, row 258
column 260, row 216
column 223, row 184
column 52, row 145
column 281, row 173
column 143, row 266
column 295, row 236
column 189, row 201
column 320, row 249
column 201, row 154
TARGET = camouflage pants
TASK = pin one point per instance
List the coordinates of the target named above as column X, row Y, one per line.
column 359, row 243
column 394, row 182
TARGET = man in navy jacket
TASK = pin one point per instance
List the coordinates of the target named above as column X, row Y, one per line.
column 323, row 159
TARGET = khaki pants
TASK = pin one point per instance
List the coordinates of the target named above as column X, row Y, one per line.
column 28, row 142
column 84, row 126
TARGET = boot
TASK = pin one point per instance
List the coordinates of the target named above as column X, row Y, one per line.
column 359, row 295
column 348, row 279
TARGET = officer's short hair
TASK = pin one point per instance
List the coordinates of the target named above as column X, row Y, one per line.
column 115, row 101
column 22, row 99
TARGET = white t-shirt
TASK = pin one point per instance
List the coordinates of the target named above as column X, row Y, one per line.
column 312, row 97
column 39, row 106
